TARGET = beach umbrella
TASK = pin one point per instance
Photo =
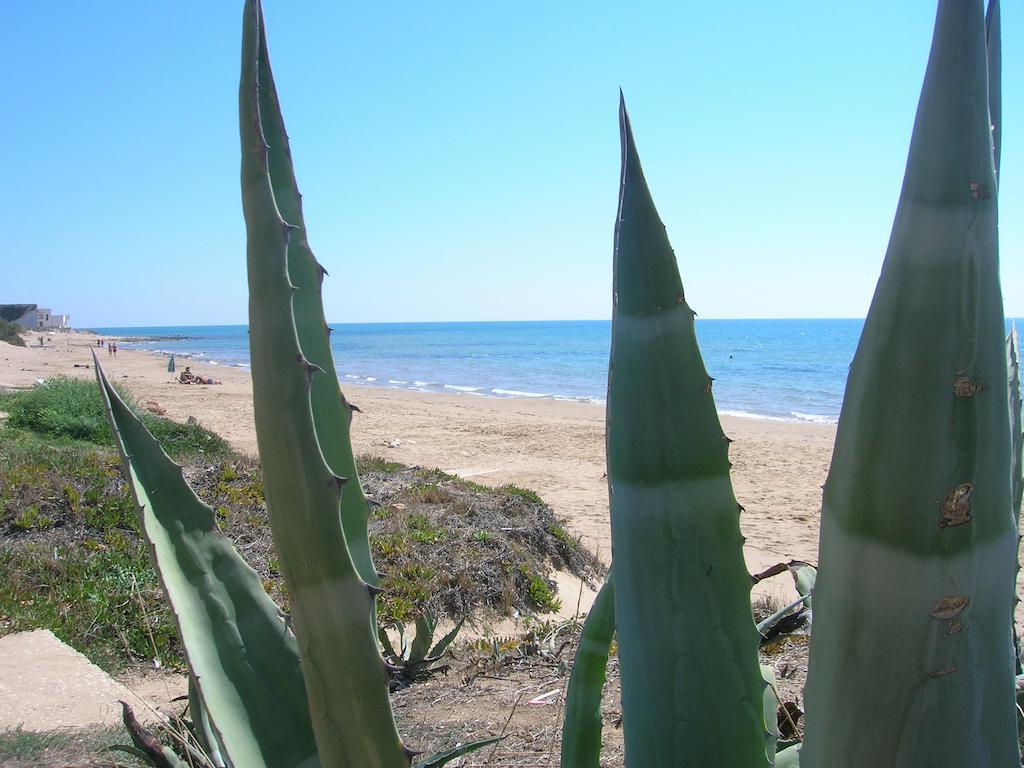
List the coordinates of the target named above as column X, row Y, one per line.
column 170, row 365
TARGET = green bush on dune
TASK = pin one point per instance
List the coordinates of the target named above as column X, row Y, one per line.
column 71, row 409
column 61, row 407
column 11, row 333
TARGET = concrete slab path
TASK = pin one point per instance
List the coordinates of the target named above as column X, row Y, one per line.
column 46, row 685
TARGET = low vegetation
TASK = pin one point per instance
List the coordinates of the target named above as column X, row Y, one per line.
column 71, row 559
column 11, row 333
column 70, row 409
column 61, row 749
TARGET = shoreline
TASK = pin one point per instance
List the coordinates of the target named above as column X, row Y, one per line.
column 370, row 382
column 553, row 447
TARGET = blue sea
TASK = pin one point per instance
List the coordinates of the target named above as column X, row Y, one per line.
column 794, row 370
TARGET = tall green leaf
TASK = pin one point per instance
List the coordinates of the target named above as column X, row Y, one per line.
column 910, row 661
column 692, row 691
column 1016, row 424
column 332, row 605
column 241, row 653
column 994, row 48
column 332, row 415
column 581, row 732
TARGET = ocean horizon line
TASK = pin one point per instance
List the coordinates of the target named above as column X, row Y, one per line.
column 111, row 328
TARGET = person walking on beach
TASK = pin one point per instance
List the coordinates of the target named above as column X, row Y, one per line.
column 115, row 349
column 109, row 350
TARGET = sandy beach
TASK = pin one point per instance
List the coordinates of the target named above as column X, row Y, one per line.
column 555, row 448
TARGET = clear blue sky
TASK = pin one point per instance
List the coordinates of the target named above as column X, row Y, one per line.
column 459, row 160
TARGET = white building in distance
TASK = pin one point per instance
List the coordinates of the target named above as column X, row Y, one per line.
column 33, row 317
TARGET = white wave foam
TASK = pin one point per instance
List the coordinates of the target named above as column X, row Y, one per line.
column 749, row 415
column 351, row 376
column 420, row 383
column 371, row 378
column 794, row 417
column 397, row 381
column 458, row 388
column 580, row 399
column 518, row 393
column 813, row 418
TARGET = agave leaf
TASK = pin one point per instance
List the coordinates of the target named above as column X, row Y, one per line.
column 993, row 45
column 804, row 576
column 332, row 605
column 201, row 723
column 770, row 701
column 674, row 518
column 442, row 645
column 789, row 757
column 385, row 642
column 331, row 412
column 441, row 758
column 918, row 542
column 403, row 642
column 247, row 670
column 423, row 638
column 1016, row 425
column 765, row 625
column 1016, row 452
column 581, row 732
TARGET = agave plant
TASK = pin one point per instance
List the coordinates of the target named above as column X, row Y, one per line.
column 918, row 539
column 418, row 659
column 910, row 657
column 312, row 689
column 911, row 660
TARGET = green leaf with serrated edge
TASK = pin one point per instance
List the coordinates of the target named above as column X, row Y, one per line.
column 331, row 413
column 1016, row 425
column 993, row 45
column 442, row 645
column 346, row 681
column 910, row 661
column 764, row 625
column 770, row 704
column 804, row 576
column 581, row 732
column 201, row 724
column 674, row 518
column 385, row 643
column 403, row 642
column 233, row 634
column 1016, row 452
column 423, row 638
column 440, row 758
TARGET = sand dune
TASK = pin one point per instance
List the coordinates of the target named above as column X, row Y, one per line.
column 555, row 448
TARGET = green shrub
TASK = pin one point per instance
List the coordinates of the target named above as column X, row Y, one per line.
column 11, row 312
column 11, row 333
column 62, row 407
column 70, row 409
